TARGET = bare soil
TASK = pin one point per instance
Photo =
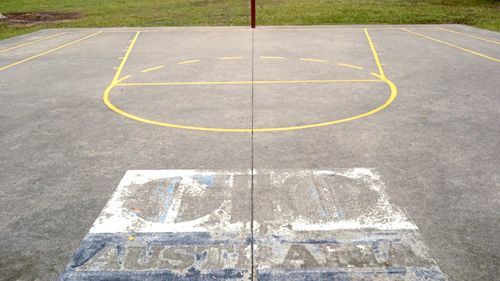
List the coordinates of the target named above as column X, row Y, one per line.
column 33, row 18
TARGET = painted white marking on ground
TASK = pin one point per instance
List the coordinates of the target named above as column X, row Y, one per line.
column 117, row 218
column 306, row 223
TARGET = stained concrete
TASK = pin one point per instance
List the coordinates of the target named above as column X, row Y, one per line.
column 436, row 146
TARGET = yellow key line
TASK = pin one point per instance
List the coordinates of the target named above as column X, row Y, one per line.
column 153, row 68
column 188, row 61
column 375, row 55
column 49, row 51
column 125, row 58
column 31, row 42
column 470, row 35
column 451, row 45
column 249, row 82
column 351, row 66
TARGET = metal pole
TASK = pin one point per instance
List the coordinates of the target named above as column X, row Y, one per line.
column 253, row 12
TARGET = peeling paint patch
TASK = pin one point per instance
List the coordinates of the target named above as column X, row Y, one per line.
column 308, row 225
column 362, row 236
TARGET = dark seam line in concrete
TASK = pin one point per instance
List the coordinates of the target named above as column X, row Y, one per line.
column 252, row 168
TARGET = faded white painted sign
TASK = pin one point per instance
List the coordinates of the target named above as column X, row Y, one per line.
column 307, row 225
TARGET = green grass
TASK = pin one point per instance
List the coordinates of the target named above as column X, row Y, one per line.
column 100, row 13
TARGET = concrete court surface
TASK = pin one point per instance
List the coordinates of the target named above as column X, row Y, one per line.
column 415, row 106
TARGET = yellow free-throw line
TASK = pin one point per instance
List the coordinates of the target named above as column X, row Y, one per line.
column 250, row 82
column 451, row 45
column 375, row 55
column 392, row 97
column 31, row 42
column 49, row 51
column 471, row 36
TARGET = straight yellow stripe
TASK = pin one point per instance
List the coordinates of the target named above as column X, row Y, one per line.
column 312, row 60
column 125, row 58
column 123, row 78
column 188, row 61
column 152, row 68
column 451, row 45
column 375, row 55
column 31, row 42
column 351, row 66
column 471, row 36
column 49, row 51
column 249, row 82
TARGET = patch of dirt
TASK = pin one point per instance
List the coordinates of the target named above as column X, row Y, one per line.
column 33, row 18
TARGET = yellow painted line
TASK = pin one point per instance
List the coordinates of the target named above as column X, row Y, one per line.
column 312, row 60
column 375, row 55
column 116, row 82
column 451, row 45
column 49, row 51
column 153, row 68
column 125, row 58
column 392, row 97
column 231, row 58
column 351, row 66
column 123, row 78
column 31, row 42
column 188, row 61
column 398, row 28
column 471, row 36
column 271, row 58
column 250, row 82
column 211, row 29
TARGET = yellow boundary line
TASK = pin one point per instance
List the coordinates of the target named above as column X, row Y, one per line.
column 471, row 36
column 49, row 51
column 31, row 42
column 116, row 82
column 239, row 29
column 451, row 45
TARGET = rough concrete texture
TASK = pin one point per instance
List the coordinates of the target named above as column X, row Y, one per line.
column 63, row 151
